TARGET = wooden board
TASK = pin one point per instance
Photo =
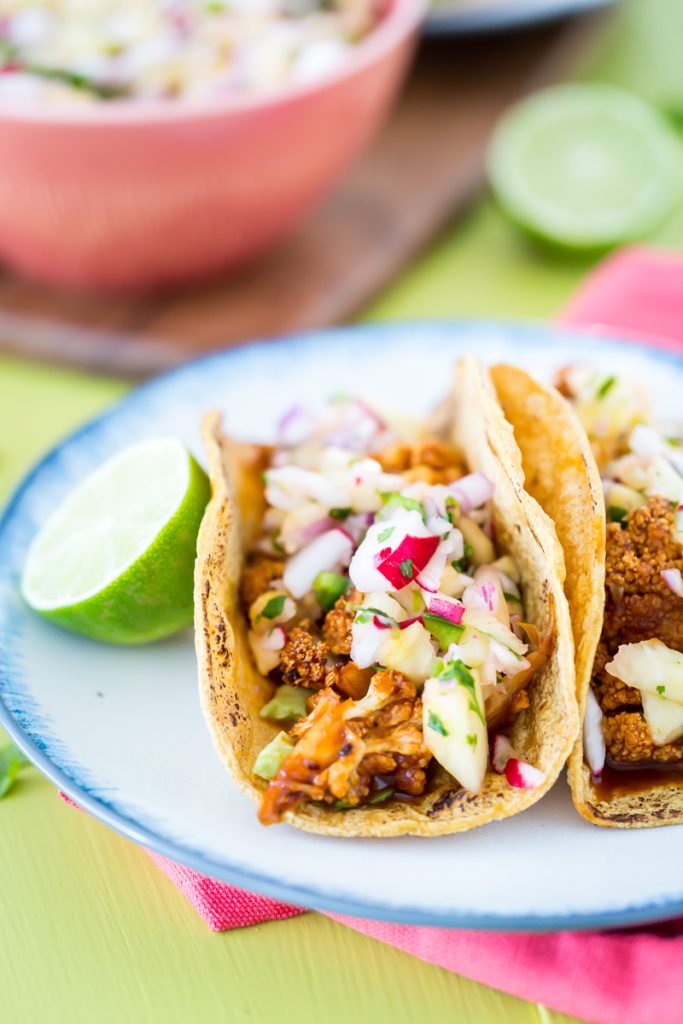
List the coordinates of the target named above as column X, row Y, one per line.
column 424, row 166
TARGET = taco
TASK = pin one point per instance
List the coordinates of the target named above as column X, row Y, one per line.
column 383, row 640
column 613, row 483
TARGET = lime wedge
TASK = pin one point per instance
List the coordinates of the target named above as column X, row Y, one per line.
column 585, row 167
column 115, row 560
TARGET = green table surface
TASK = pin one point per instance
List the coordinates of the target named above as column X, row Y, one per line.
column 90, row 930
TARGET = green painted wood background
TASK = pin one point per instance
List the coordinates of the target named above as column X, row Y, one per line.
column 89, row 928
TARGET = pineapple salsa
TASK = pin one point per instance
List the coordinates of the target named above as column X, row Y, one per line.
column 74, row 51
column 380, row 608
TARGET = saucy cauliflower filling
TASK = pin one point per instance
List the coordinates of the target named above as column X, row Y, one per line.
column 375, row 588
column 640, row 708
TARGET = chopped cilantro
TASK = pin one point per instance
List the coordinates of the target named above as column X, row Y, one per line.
column 406, row 568
column 340, row 513
column 277, row 545
column 660, row 690
column 472, row 739
column 606, row 386
column 435, row 723
column 273, row 608
column 393, row 500
column 367, row 614
column 452, row 509
column 617, row 513
column 381, row 796
column 458, row 670
column 11, row 762
column 461, row 563
column 342, row 805
column 511, row 597
column 385, row 534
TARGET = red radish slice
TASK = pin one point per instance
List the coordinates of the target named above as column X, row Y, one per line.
column 401, row 566
column 328, row 551
column 673, row 580
column 408, row 622
column 274, row 640
column 446, row 607
column 521, row 775
column 471, row 491
column 501, row 752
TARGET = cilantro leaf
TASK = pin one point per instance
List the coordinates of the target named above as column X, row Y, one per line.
column 472, row 739
column 406, row 568
column 660, row 690
column 616, row 513
column 459, row 671
column 393, row 500
column 381, row 795
column 385, row 534
column 606, row 386
column 329, row 586
column 273, row 608
column 340, row 513
column 435, row 723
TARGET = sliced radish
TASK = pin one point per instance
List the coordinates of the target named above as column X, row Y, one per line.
column 593, row 739
column 274, row 639
column 406, row 562
column 382, row 539
column 674, row 580
column 328, row 551
column 501, row 752
column 521, row 775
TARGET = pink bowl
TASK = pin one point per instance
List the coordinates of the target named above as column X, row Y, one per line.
column 141, row 196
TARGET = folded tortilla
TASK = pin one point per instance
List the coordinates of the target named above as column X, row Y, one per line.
column 561, row 473
column 232, row 692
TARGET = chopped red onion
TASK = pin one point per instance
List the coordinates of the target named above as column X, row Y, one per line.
column 294, row 426
column 593, row 739
column 328, row 551
column 674, row 580
column 501, row 752
column 471, row 491
column 447, row 607
column 408, row 622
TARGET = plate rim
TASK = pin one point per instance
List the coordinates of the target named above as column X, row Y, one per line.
column 259, row 881
column 498, row 17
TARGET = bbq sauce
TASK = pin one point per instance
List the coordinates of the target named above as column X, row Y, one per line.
column 624, row 779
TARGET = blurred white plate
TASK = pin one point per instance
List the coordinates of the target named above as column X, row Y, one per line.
column 120, row 730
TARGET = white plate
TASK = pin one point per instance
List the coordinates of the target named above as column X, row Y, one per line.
column 120, row 730
column 455, row 17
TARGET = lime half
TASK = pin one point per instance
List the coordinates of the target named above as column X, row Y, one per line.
column 115, row 560
column 585, row 166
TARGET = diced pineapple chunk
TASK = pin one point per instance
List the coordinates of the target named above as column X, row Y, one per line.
column 455, row 732
column 409, row 651
column 651, row 667
column 664, row 717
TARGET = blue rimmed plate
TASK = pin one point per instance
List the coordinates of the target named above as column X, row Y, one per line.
column 120, row 730
column 454, row 17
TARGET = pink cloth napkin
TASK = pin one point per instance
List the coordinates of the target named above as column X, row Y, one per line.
column 624, row 977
